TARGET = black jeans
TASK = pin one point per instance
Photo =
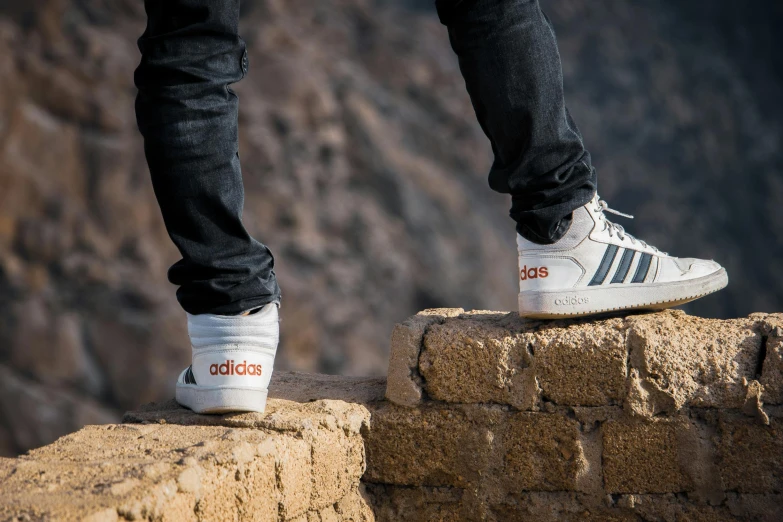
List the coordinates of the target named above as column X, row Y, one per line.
column 192, row 52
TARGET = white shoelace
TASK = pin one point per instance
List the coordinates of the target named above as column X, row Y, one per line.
column 613, row 228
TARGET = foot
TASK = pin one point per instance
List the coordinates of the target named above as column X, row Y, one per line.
column 597, row 267
column 232, row 362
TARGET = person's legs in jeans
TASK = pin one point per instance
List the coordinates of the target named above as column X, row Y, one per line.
column 509, row 58
column 572, row 260
column 191, row 52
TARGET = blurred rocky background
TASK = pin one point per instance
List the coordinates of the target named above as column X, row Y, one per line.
column 366, row 174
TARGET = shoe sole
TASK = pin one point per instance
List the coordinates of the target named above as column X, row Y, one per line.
column 559, row 304
column 221, row 399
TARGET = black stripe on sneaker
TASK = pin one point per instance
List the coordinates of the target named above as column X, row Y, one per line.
column 189, row 377
column 606, row 264
column 625, row 265
column 642, row 269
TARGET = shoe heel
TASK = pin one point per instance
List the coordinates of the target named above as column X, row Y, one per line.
column 222, row 399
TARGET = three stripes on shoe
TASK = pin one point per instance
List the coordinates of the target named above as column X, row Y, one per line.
column 189, row 377
column 622, row 268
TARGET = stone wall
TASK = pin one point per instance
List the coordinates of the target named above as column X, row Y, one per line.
column 301, row 462
column 648, row 417
column 658, row 417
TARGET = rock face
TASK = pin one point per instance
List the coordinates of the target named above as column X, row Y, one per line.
column 365, row 172
column 643, row 418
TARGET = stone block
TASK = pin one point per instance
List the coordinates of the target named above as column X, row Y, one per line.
column 174, row 465
column 764, row 508
column 479, row 358
column 499, row 358
column 689, row 361
column 583, row 364
column 395, row 503
column 749, row 455
column 541, row 452
column 644, row 457
column 403, row 382
column 430, row 446
column 337, row 461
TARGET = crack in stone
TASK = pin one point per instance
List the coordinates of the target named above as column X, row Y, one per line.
column 762, row 356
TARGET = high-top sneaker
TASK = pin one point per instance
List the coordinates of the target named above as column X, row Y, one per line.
column 232, row 361
column 597, row 267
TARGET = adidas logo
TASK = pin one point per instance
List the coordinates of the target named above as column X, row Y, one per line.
column 526, row 273
column 229, row 368
column 572, row 300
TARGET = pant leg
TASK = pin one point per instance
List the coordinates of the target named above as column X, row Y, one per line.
column 187, row 114
column 508, row 56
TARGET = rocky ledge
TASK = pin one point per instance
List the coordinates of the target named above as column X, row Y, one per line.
column 486, row 417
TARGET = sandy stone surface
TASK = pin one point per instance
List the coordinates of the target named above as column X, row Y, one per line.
column 694, row 361
column 643, row 457
column 406, row 339
column 657, row 416
column 477, row 358
column 302, row 458
column 651, row 363
column 431, row 446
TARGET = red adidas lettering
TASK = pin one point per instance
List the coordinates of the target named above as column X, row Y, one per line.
column 230, row 368
column 526, row 273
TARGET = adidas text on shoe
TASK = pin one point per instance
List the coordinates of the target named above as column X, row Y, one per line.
column 598, row 268
column 232, row 363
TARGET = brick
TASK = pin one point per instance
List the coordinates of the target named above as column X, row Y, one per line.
column 765, row 508
column 542, row 452
column 643, row 457
column 498, row 358
column 479, row 358
column 749, row 455
column 688, row 361
column 394, row 503
column 429, row 446
column 337, row 460
column 584, row 364
column 403, row 384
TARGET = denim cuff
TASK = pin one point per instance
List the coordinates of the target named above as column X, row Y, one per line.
column 560, row 230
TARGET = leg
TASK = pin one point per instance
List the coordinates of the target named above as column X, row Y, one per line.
column 508, row 56
column 191, row 52
column 572, row 260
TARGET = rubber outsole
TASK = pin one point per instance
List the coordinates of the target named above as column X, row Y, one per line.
column 221, row 399
column 594, row 300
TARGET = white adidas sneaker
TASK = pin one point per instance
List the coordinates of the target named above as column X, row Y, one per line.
column 597, row 267
column 232, row 363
